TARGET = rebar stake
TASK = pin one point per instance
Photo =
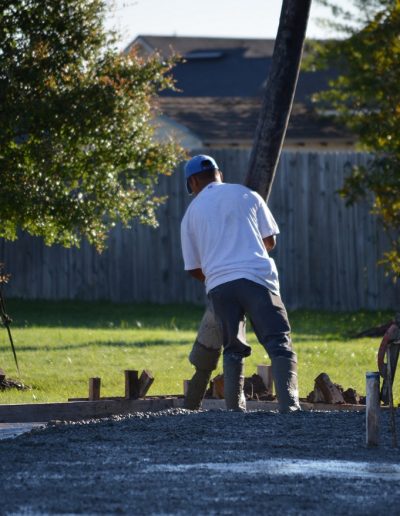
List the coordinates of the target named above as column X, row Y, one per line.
column 390, row 389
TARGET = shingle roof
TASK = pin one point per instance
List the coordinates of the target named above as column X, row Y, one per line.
column 221, row 84
column 235, row 119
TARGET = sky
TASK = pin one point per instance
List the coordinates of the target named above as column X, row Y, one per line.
column 218, row 18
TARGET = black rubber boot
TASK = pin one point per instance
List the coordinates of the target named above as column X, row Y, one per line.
column 234, row 382
column 196, row 389
column 284, row 372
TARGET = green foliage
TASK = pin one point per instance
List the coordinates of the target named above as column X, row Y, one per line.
column 77, row 152
column 366, row 97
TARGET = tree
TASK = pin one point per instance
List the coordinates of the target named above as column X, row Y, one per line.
column 278, row 96
column 77, row 152
column 366, row 97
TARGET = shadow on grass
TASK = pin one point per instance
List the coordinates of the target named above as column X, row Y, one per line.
column 313, row 325
column 102, row 314
column 306, row 324
column 103, row 344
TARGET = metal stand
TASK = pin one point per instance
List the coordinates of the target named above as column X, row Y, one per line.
column 390, row 348
column 6, row 321
column 392, row 351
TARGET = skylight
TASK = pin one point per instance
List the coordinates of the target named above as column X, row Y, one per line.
column 204, row 54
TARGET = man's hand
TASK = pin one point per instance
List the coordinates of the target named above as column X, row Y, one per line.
column 269, row 242
column 198, row 274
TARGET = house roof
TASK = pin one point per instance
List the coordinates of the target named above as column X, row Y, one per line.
column 235, row 119
column 167, row 45
column 221, row 82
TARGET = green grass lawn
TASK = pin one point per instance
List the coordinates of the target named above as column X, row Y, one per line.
column 61, row 344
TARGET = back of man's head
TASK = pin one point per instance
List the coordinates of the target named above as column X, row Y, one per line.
column 204, row 168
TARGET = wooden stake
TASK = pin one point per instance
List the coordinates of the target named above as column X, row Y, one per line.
column 329, row 390
column 94, row 389
column 145, row 381
column 372, row 409
column 265, row 371
column 132, row 386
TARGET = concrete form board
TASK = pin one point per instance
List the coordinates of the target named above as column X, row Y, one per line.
column 79, row 410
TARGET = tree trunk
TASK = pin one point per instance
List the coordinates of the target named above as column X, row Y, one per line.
column 278, row 96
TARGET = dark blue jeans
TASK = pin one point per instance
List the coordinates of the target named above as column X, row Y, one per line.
column 233, row 300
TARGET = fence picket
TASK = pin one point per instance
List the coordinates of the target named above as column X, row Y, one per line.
column 326, row 252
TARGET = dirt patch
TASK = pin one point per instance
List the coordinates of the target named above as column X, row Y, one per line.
column 176, row 462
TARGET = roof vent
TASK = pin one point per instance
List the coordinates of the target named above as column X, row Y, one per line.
column 204, row 54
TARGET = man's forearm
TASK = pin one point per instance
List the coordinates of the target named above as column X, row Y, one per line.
column 269, row 242
column 198, row 274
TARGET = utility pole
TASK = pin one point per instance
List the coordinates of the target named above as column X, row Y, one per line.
column 278, row 96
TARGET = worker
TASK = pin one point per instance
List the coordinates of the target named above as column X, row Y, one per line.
column 204, row 356
column 226, row 235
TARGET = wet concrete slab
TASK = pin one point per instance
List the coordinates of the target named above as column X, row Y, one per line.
column 211, row 462
column 285, row 467
column 11, row 430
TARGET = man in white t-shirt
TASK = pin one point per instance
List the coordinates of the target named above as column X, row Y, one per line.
column 226, row 234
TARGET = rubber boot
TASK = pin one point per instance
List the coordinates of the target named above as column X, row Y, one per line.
column 284, row 372
column 196, row 389
column 234, row 382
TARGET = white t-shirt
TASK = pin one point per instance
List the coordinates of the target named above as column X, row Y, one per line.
column 222, row 233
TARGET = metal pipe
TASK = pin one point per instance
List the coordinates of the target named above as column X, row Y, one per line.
column 390, row 392
column 372, row 409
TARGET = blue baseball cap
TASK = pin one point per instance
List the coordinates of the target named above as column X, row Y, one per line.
column 199, row 163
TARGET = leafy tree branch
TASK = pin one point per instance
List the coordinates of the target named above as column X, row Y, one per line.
column 366, row 97
column 77, row 150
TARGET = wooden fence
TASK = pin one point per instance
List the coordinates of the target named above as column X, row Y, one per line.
column 326, row 254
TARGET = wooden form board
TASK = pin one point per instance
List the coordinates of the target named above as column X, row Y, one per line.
column 79, row 410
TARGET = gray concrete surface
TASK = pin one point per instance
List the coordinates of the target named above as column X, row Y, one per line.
column 10, row 430
column 175, row 462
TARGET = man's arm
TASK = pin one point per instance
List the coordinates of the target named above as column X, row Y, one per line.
column 198, row 274
column 269, row 242
column 266, row 224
